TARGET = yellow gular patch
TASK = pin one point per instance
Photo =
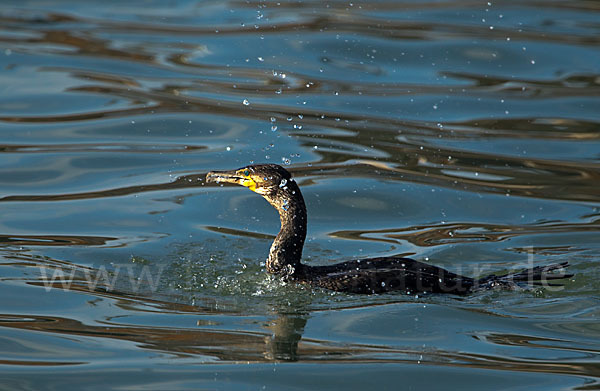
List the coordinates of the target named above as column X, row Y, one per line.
column 249, row 183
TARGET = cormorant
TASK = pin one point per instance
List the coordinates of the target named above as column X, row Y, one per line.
column 374, row 275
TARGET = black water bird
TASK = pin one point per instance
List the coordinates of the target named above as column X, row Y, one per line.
column 373, row 275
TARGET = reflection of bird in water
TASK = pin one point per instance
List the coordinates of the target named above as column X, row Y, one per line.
column 374, row 275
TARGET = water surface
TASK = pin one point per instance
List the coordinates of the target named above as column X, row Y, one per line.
column 461, row 133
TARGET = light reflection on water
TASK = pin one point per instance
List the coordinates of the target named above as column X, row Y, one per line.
column 463, row 133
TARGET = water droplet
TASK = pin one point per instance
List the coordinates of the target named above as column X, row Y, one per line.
column 274, row 128
column 260, row 59
column 273, row 119
column 283, row 182
column 245, row 102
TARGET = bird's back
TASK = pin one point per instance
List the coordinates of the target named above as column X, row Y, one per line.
column 384, row 274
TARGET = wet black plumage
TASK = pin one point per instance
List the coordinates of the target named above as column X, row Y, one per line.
column 374, row 275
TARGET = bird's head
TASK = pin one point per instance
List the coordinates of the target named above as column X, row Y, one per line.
column 264, row 179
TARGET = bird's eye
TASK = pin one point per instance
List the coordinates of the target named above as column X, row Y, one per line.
column 246, row 172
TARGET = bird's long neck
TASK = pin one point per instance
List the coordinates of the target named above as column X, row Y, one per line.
column 286, row 250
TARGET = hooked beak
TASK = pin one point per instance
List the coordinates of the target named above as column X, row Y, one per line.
column 224, row 176
column 230, row 177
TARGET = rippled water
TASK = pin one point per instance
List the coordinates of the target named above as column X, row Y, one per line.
column 462, row 133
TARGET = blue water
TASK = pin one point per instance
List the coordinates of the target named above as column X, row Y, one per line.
column 461, row 134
